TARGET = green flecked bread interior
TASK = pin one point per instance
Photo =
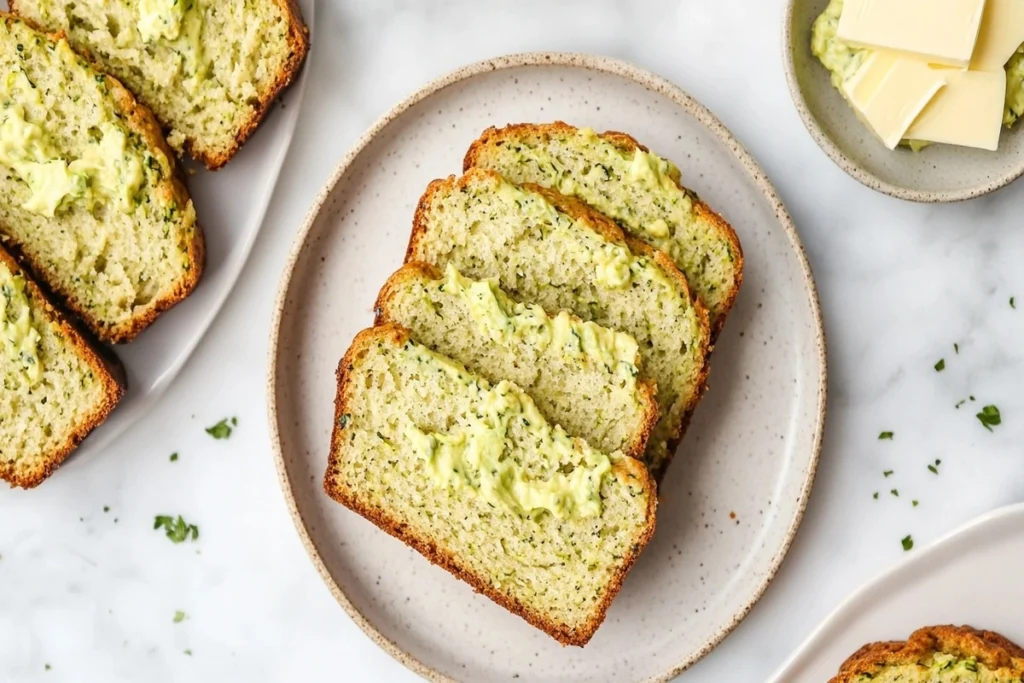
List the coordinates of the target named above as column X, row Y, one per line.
column 582, row 376
column 472, row 476
column 91, row 198
column 553, row 251
column 56, row 387
column 937, row 654
column 619, row 177
column 208, row 69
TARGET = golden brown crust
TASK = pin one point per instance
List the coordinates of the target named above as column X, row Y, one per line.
column 611, row 231
column 989, row 648
column 141, row 121
column 298, row 45
column 646, row 387
column 628, row 144
column 627, row 468
column 106, row 368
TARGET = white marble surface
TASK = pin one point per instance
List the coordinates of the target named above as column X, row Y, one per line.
column 95, row 598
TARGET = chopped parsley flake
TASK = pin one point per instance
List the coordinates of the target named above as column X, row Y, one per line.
column 179, row 617
column 960, row 403
column 174, row 457
column 914, row 503
column 933, row 469
column 222, row 430
column 885, row 436
column 941, row 365
column 895, row 492
column 106, row 508
column 188, row 652
column 876, row 495
column 956, row 347
column 908, row 543
column 178, row 530
column 887, row 474
column 989, row 417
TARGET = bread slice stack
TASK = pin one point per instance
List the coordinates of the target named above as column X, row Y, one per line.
column 532, row 370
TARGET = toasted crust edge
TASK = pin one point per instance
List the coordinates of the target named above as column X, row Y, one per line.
column 141, row 121
column 298, row 42
column 627, row 467
column 646, row 388
column 990, row 648
column 626, row 143
column 107, row 369
column 610, row 230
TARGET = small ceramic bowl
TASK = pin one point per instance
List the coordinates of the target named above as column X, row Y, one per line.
column 940, row 173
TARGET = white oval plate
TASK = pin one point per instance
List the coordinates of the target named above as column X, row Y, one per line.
column 972, row 577
column 230, row 205
column 751, row 450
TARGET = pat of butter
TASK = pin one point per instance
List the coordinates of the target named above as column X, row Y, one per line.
column 889, row 91
column 968, row 111
column 1002, row 32
column 940, row 31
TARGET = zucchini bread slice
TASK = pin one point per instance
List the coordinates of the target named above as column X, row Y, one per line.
column 474, row 478
column 89, row 192
column 583, row 377
column 553, row 251
column 209, row 69
column 56, row 386
column 937, row 654
column 616, row 175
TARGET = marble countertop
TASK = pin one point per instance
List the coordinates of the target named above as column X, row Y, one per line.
column 89, row 591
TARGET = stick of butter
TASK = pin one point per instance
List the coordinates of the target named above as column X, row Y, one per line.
column 968, row 111
column 940, row 31
column 1002, row 32
column 889, row 91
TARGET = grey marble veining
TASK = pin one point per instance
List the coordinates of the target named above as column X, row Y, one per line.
column 900, row 284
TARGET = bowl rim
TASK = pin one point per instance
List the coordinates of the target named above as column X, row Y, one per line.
column 603, row 64
column 852, row 168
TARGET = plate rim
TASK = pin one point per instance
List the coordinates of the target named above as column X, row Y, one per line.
column 961, row 533
column 651, row 81
column 851, row 167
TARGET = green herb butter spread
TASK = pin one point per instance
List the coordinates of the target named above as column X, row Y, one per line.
column 472, row 453
column 504, row 321
column 20, row 339
column 842, row 61
column 107, row 170
column 160, row 19
column 942, row 669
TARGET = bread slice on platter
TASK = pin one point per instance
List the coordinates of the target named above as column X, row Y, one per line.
column 89, row 192
column 474, row 478
column 551, row 250
column 209, row 69
column 56, row 386
column 616, row 175
column 583, row 377
column 944, row 654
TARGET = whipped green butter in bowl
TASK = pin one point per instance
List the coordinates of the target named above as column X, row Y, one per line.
column 835, row 86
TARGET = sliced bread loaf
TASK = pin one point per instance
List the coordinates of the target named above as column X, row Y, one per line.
column 475, row 479
column 89, row 192
column 209, row 69
column 937, row 654
column 583, row 377
column 56, row 387
column 616, row 175
column 552, row 250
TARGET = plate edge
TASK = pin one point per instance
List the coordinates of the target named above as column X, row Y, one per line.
column 657, row 84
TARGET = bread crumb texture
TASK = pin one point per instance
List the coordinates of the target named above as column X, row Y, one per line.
column 91, row 198
column 583, row 377
column 207, row 68
column 642, row 192
column 552, row 250
column 474, row 478
column 55, row 389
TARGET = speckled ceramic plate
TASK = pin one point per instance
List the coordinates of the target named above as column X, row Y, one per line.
column 936, row 585
column 731, row 502
column 940, row 173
